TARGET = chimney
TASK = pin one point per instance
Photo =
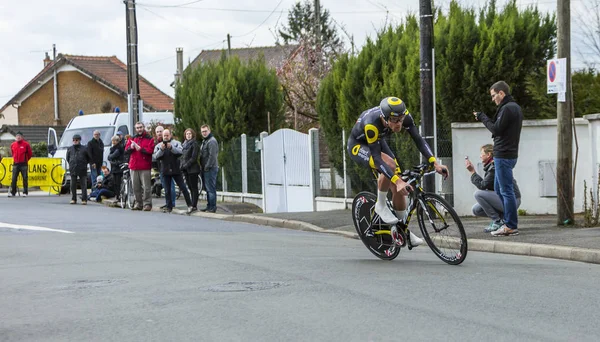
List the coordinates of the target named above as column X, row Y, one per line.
column 179, row 71
column 47, row 60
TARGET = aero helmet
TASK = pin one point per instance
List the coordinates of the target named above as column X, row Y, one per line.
column 392, row 106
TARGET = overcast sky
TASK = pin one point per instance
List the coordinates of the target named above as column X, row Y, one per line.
column 28, row 28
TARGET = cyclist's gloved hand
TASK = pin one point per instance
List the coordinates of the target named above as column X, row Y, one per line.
column 403, row 188
column 441, row 169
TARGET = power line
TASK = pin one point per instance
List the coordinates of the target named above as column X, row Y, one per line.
column 266, row 10
column 261, row 24
column 173, row 56
column 178, row 24
column 168, row 6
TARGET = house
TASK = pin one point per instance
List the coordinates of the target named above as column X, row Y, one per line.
column 275, row 56
column 92, row 84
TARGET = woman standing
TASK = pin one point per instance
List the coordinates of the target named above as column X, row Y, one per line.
column 190, row 166
column 116, row 157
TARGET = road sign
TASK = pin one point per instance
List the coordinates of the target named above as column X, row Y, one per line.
column 556, row 75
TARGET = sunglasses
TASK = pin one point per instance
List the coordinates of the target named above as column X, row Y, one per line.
column 396, row 119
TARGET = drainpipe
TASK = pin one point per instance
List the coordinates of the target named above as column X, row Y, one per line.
column 56, row 119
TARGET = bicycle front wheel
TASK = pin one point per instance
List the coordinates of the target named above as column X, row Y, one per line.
column 130, row 195
column 442, row 229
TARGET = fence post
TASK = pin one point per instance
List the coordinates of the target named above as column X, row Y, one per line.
column 244, row 165
column 313, row 163
column 263, row 135
column 344, row 159
column 223, row 180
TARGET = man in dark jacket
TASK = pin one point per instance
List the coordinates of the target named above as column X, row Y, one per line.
column 488, row 202
column 96, row 150
column 21, row 152
column 209, row 154
column 506, row 132
column 78, row 158
column 168, row 153
column 116, row 157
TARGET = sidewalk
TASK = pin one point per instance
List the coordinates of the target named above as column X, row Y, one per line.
column 539, row 235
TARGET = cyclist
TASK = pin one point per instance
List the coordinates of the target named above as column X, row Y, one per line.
column 367, row 147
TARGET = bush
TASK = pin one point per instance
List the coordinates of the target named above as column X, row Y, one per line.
column 40, row 149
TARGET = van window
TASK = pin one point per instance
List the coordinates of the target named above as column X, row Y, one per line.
column 87, row 134
column 123, row 130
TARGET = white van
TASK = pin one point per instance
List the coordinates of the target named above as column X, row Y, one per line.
column 108, row 124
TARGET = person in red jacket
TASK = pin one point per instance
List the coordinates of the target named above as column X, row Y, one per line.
column 21, row 152
column 140, row 148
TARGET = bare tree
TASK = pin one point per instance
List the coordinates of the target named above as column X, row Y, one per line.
column 587, row 29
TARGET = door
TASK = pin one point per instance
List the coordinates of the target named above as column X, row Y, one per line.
column 287, row 172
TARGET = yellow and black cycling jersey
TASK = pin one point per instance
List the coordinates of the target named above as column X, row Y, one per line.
column 366, row 141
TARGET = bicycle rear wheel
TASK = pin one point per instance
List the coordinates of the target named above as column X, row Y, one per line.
column 381, row 243
column 442, row 229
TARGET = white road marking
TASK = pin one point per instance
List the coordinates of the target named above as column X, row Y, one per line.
column 24, row 227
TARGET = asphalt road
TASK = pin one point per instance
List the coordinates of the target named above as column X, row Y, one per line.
column 146, row 276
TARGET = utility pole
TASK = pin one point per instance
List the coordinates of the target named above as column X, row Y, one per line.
column 564, row 163
column 318, row 22
column 133, row 84
column 426, row 24
column 228, row 45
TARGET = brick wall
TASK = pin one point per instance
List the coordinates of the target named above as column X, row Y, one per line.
column 75, row 91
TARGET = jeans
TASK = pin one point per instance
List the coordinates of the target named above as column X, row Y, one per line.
column 192, row 183
column 179, row 180
column 104, row 192
column 210, row 178
column 142, row 187
column 82, row 183
column 503, row 184
column 94, row 173
column 489, row 205
column 173, row 194
column 22, row 169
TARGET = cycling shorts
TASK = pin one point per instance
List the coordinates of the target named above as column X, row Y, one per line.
column 360, row 153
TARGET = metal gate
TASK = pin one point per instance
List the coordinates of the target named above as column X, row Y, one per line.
column 287, row 168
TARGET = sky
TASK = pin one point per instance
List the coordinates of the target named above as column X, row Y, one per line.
column 28, row 28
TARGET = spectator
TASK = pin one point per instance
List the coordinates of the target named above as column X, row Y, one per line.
column 168, row 153
column 105, row 188
column 121, row 138
column 158, row 140
column 488, row 202
column 78, row 159
column 21, row 152
column 116, row 157
column 96, row 150
column 506, row 132
column 190, row 166
column 140, row 163
column 210, row 167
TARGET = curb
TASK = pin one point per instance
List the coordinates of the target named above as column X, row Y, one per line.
column 502, row 247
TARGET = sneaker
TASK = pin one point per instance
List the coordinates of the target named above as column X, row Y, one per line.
column 73, row 202
column 10, row 195
column 167, row 210
column 147, row 208
column 83, row 202
column 415, row 240
column 163, row 206
column 494, row 226
column 136, row 208
column 505, row 231
column 24, row 195
column 190, row 210
column 386, row 214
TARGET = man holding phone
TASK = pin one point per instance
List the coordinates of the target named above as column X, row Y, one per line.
column 506, row 132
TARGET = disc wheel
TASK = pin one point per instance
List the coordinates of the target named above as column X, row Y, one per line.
column 380, row 244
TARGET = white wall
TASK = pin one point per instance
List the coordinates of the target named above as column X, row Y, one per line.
column 11, row 116
column 538, row 142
